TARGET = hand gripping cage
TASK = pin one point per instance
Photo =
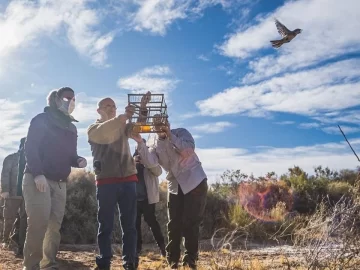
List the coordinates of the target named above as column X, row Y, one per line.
column 148, row 118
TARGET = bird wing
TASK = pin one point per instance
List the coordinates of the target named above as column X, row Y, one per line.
column 283, row 31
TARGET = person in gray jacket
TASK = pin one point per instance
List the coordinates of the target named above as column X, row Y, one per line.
column 174, row 150
column 147, row 190
column 12, row 203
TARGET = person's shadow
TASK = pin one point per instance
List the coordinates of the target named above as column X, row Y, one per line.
column 69, row 264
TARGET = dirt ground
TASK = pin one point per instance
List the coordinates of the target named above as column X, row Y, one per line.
column 81, row 257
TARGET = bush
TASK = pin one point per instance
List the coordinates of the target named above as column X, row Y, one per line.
column 80, row 221
column 229, row 206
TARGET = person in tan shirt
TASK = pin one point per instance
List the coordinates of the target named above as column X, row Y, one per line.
column 115, row 174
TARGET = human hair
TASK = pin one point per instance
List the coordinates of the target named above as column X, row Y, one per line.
column 51, row 98
column 102, row 101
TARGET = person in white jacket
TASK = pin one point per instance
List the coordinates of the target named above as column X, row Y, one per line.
column 147, row 190
column 174, row 151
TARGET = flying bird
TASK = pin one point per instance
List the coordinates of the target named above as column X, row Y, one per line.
column 286, row 34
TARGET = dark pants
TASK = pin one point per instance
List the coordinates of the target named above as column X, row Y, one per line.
column 19, row 228
column 185, row 215
column 108, row 196
column 148, row 210
column 13, row 208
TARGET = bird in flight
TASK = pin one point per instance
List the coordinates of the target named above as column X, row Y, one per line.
column 286, row 34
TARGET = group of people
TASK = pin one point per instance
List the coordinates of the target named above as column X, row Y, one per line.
column 129, row 182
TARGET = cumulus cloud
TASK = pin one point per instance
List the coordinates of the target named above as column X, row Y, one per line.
column 156, row 79
column 215, row 127
column 325, row 89
column 14, row 125
column 24, row 22
column 323, row 37
column 334, row 155
column 156, row 16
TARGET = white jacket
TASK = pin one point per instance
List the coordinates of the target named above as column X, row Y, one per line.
column 151, row 178
column 176, row 155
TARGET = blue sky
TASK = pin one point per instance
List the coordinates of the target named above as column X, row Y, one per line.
column 249, row 106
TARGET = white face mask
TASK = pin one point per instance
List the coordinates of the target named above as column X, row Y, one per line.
column 67, row 106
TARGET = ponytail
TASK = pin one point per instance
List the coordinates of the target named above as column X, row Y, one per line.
column 51, row 99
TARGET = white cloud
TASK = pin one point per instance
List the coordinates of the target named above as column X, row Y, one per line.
column 86, row 107
column 156, row 16
column 334, row 155
column 24, row 22
column 203, row 58
column 323, row 36
column 285, row 123
column 345, row 129
column 351, row 116
column 306, row 92
column 156, row 79
column 309, row 125
column 14, row 125
column 215, row 127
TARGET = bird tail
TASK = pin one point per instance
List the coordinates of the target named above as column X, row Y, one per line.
column 276, row 43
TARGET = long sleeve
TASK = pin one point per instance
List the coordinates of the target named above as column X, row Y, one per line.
column 74, row 159
column 32, row 145
column 148, row 155
column 183, row 142
column 21, row 168
column 6, row 174
column 156, row 171
column 108, row 131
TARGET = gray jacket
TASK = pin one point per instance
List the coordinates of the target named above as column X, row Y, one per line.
column 9, row 174
column 178, row 158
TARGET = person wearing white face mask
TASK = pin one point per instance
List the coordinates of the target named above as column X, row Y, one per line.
column 50, row 151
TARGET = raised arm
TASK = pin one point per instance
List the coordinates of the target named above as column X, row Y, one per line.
column 107, row 131
column 75, row 157
column 148, row 155
column 183, row 142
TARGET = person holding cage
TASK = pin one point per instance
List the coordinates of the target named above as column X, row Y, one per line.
column 115, row 174
column 174, row 150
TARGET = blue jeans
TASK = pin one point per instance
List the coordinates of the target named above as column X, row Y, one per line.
column 108, row 196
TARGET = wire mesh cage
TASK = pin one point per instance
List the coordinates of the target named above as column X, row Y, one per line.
column 150, row 117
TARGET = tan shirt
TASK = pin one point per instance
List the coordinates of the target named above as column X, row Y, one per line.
column 110, row 148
